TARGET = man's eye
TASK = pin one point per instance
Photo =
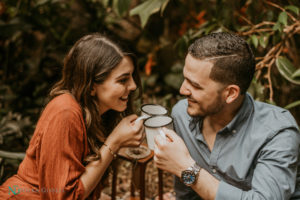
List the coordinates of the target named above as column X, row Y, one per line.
column 197, row 87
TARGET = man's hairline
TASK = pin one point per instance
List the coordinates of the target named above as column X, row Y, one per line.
column 213, row 60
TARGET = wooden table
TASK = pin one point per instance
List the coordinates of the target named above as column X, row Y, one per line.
column 141, row 164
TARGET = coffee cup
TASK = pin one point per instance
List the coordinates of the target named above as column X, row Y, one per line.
column 153, row 127
column 150, row 110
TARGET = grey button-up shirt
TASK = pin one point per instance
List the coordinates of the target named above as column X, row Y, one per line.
column 254, row 156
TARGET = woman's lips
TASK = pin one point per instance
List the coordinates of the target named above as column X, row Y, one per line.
column 124, row 99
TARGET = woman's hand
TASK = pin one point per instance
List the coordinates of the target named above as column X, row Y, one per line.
column 126, row 133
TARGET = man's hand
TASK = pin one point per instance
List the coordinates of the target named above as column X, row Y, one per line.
column 172, row 155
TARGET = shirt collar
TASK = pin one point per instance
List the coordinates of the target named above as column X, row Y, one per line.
column 193, row 122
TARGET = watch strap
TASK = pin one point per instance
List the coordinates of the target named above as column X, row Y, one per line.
column 196, row 167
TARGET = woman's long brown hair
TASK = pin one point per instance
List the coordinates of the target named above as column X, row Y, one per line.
column 90, row 61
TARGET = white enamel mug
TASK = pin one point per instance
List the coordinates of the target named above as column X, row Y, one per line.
column 150, row 110
column 153, row 127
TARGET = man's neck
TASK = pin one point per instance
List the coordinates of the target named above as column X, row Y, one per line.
column 214, row 123
column 220, row 120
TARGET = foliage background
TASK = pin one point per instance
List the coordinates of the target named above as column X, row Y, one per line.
column 36, row 34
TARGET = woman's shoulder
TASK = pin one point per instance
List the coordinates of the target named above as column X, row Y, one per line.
column 63, row 105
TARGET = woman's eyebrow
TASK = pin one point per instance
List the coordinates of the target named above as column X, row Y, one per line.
column 123, row 75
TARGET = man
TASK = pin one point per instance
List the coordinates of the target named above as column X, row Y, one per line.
column 228, row 145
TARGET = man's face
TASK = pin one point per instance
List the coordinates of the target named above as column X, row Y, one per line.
column 204, row 95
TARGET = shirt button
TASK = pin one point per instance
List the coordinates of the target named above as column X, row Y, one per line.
column 234, row 131
column 214, row 170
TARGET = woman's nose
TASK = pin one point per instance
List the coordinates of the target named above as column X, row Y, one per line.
column 132, row 85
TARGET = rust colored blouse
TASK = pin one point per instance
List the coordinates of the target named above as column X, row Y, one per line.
column 54, row 159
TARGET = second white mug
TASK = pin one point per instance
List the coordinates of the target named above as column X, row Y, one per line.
column 153, row 127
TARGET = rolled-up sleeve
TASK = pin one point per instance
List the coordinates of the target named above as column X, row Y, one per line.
column 275, row 172
column 60, row 160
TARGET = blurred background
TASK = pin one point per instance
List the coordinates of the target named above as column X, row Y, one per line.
column 35, row 35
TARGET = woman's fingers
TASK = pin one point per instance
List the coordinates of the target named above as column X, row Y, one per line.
column 138, row 123
column 132, row 117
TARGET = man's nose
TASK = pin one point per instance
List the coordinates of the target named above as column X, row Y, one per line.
column 184, row 90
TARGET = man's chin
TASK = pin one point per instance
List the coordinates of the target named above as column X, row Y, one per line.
column 193, row 113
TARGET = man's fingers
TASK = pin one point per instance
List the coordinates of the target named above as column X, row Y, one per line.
column 171, row 135
column 159, row 140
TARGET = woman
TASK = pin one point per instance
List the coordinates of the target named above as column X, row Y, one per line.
column 82, row 127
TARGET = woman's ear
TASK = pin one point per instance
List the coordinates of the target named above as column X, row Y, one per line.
column 232, row 93
column 93, row 91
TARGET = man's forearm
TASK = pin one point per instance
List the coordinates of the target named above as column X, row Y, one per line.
column 206, row 185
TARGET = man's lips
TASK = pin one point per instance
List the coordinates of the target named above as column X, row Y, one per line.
column 191, row 100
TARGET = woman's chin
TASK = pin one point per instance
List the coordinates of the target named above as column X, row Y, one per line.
column 121, row 108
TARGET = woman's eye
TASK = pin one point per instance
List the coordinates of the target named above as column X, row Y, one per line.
column 123, row 80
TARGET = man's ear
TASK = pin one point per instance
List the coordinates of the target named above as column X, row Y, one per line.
column 232, row 92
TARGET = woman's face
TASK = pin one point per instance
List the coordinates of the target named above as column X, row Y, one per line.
column 113, row 93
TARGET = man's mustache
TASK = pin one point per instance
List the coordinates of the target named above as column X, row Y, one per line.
column 191, row 98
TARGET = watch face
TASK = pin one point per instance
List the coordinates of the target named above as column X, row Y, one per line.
column 188, row 177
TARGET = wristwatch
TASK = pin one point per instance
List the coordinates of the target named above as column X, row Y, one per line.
column 190, row 175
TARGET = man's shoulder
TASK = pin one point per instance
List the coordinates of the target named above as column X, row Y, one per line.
column 273, row 117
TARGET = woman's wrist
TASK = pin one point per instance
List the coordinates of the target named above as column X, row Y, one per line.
column 113, row 153
column 113, row 144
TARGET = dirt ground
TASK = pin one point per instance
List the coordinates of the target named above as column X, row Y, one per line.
column 151, row 179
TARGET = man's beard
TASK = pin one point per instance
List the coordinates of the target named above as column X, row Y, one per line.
column 215, row 107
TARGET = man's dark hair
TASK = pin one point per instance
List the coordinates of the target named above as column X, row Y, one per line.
column 231, row 55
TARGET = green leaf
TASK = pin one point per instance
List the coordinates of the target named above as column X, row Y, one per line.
column 264, row 40
column 210, row 28
column 254, row 40
column 147, row 8
column 287, row 69
column 121, row 6
column 105, row 3
column 244, row 28
column 174, row 80
column 151, row 80
column 295, row 9
column 282, row 18
column 296, row 74
column 276, row 38
column 292, row 105
column 256, row 90
column 41, row 2
column 163, row 7
column 277, row 26
column 271, row 102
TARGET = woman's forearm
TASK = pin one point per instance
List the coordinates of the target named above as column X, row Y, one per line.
column 95, row 169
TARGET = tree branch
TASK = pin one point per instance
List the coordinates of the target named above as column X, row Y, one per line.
column 12, row 155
